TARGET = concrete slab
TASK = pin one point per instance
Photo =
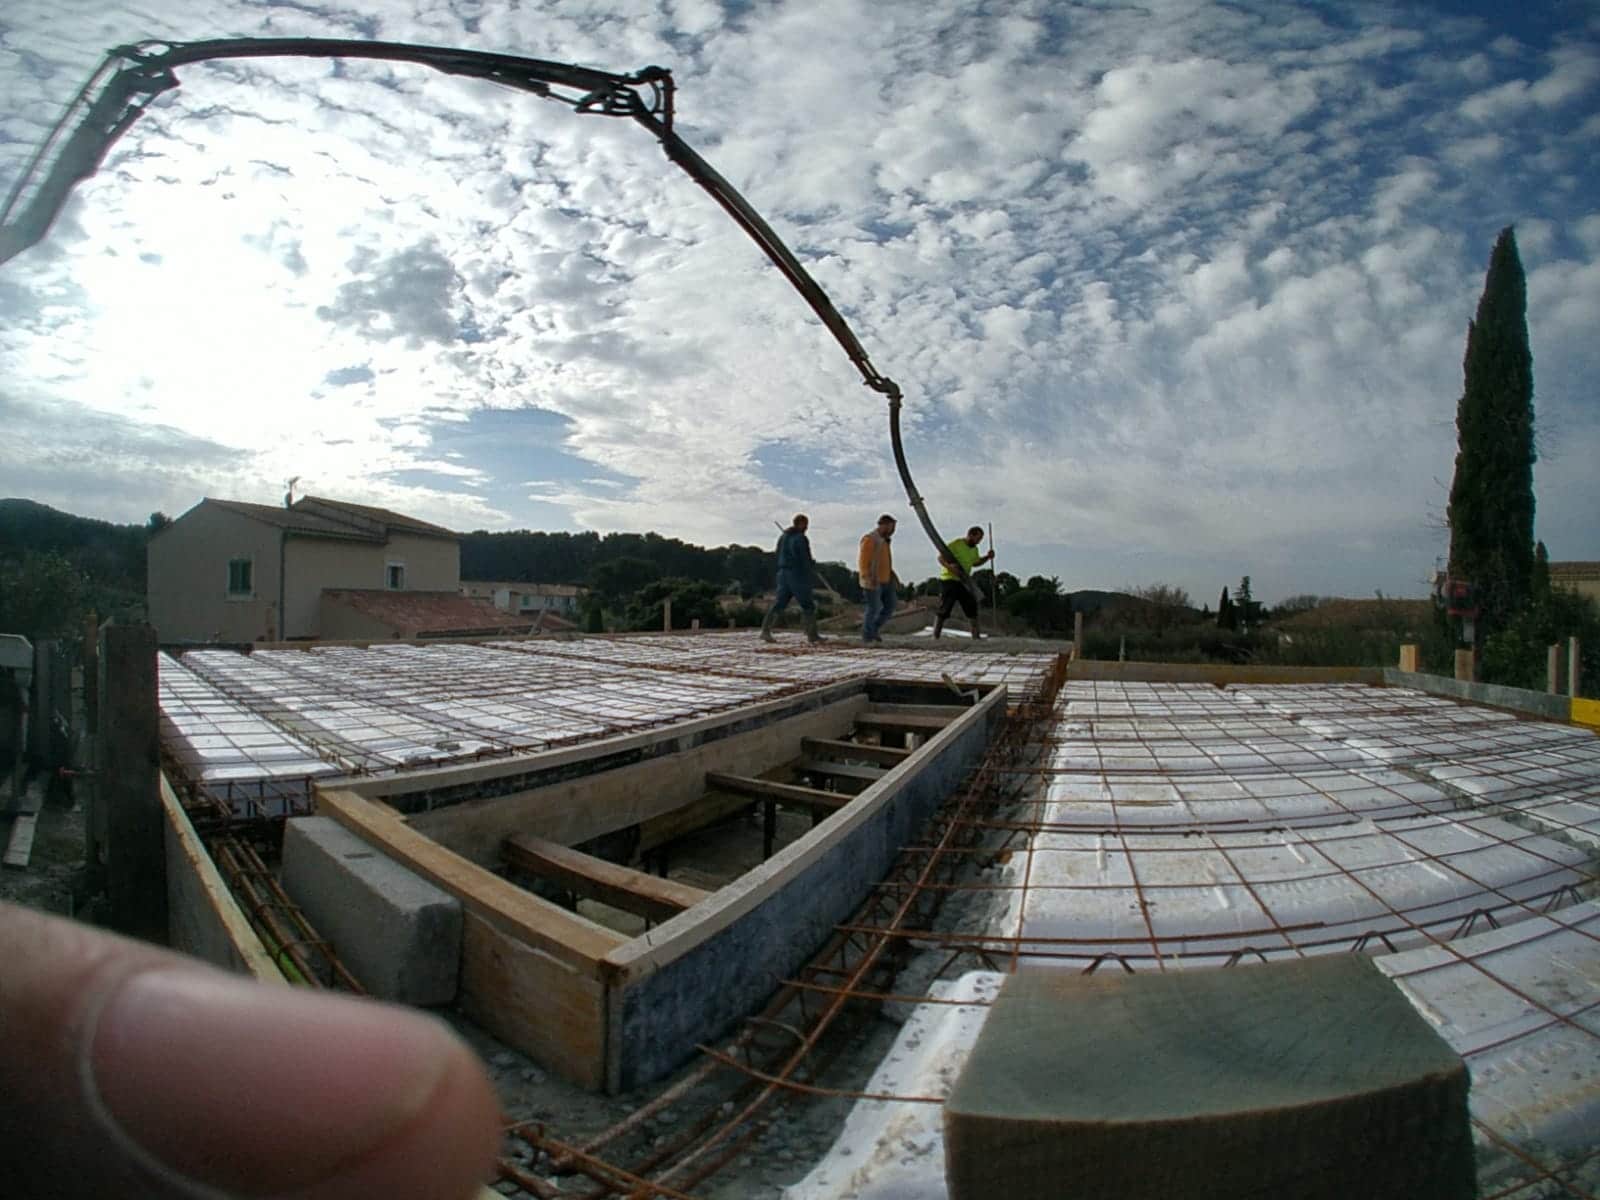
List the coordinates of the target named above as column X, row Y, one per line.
column 399, row 934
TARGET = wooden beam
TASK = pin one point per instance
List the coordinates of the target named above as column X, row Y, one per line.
column 838, row 770
column 889, row 756
column 508, row 908
column 888, row 722
column 766, row 789
column 203, row 918
column 621, row 887
column 656, row 832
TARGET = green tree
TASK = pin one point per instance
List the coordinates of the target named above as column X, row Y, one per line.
column 1043, row 607
column 691, row 599
column 42, row 595
column 1491, row 496
column 620, row 577
column 1227, row 618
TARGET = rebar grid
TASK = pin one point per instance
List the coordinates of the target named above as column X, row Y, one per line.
column 391, row 708
column 772, row 1075
column 1526, row 905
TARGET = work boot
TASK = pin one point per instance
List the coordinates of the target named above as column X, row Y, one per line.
column 812, row 635
column 766, row 625
column 938, row 626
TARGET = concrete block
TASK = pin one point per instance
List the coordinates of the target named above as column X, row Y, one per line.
column 399, row 934
column 1312, row 1078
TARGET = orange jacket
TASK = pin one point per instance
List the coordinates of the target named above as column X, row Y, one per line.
column 876, row 563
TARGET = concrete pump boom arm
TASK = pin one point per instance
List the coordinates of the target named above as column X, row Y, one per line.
column 130, row 77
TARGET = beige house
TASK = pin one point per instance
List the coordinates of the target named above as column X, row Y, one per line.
column 1580, row 577
column 562, row 599
column 227, row 571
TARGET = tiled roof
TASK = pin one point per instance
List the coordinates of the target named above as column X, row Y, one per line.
column 422, row 614
column 524, row 588
column 363, row 514
column 334, row 518
column 297, row 520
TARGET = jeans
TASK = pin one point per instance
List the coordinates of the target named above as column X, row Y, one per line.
column 793, row 584
column 880, row 607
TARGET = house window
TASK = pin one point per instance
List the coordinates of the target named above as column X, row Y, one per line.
column 395, row 577
column 241, row 577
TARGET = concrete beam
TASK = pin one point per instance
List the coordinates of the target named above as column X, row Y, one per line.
column 399, row 934
column 1538, row 704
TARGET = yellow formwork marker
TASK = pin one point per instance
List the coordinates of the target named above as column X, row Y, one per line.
column 1586, row 712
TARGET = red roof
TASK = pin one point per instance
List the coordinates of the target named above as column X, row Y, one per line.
column 430, row 614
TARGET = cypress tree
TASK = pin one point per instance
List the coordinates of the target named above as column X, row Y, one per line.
column 1491, row 496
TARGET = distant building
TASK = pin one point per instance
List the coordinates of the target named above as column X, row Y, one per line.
column 561, row 599
column 229, row 571
column 1580, row 577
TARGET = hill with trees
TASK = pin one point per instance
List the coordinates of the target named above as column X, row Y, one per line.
column 56, row 567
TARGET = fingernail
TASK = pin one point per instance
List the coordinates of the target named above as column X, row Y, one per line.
column 253, row 1089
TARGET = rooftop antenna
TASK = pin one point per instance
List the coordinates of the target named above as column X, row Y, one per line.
column 288, row 497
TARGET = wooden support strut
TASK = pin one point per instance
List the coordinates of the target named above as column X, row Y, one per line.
column 889, row 756
column 888, row 722
column 647, row 896
column 766, row 789
column 851, row 772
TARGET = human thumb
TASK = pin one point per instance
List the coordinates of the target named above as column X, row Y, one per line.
column 132, row 1071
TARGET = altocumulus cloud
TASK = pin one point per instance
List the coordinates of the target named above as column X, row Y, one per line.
column 1176, row 292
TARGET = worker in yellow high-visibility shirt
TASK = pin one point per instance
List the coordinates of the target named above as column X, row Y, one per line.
column 955, row 590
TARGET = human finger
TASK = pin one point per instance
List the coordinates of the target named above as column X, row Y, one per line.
column 147, row 1074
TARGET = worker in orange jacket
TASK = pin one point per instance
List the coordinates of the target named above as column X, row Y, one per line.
column 875, row 573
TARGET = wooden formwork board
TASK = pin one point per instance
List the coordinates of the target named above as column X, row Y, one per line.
column 686, row 733
column 576, row 810
column 508, row 908
column 554, row 984
column 203, row 919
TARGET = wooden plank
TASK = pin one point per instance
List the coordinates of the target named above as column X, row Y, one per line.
column 19, row 847
column 887, row 722
column 766, row 789
column 457, row 775
column 573, row 811
column 946, row 712
column 838, row 770
column 889, row 756
column 534, row 1002
column 648, row 896
column 509, row 908
column 690, row 818
column 203, row 918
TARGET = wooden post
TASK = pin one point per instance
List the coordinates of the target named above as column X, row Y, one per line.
column 694, row 625
column 1574, row 667
column 1077, row 635
column 1552, row 669
column 127, row 796
column 91, row 672
column 1466, row 664
column 666, row 614
column 1411, row 658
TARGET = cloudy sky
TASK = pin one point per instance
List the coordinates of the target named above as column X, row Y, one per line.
column 1176, row 292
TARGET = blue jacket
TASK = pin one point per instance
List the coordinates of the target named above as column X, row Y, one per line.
column 794, row 551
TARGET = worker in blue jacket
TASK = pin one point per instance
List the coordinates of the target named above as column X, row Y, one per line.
column 795, row 568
